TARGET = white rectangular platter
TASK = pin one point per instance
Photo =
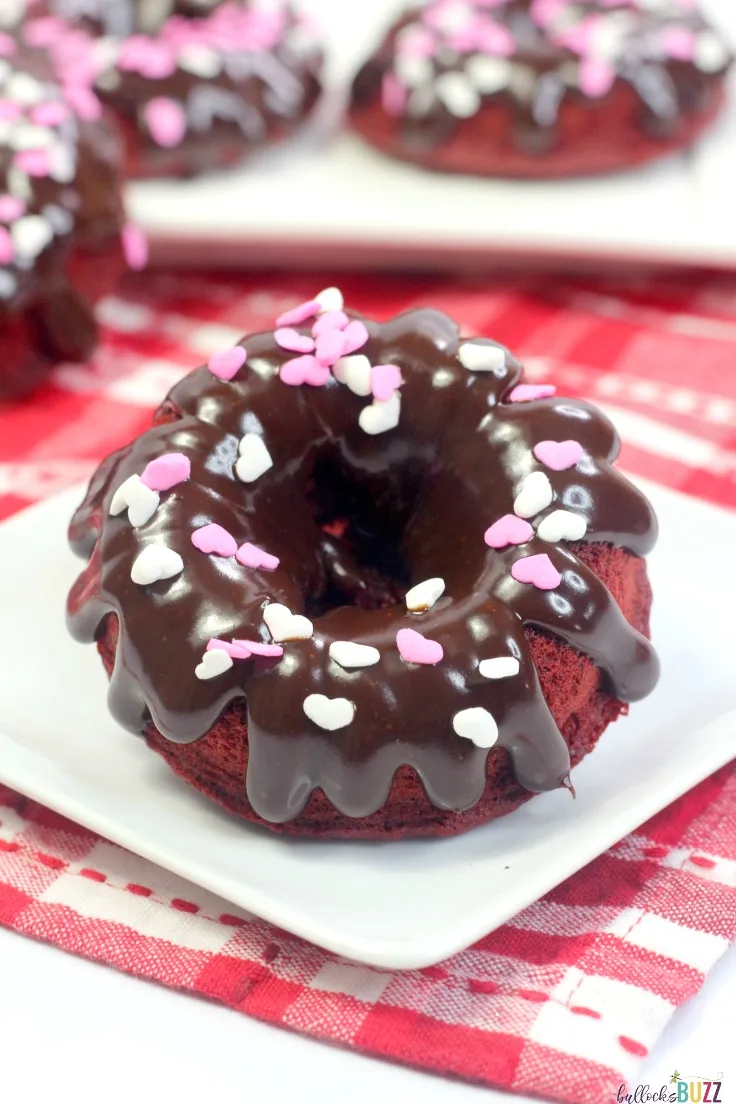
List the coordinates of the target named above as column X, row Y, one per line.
column 404, row 904
column 328, row 199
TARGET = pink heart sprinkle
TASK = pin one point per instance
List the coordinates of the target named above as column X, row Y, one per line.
column 166, row 471
column 249, row 555
column 293, row 341
column 538, row 570
column 297, row 315
column 50, row 113
column 415, row 648
column 44, row 31
column 559, row 455
column 166, row 120
column 7, row 249
column 509, row 529
column 36, row 162
column 330, row 320
column 83, row 102
column 228, row 363
column 393, row 95
column 214, row 540
column 596, row 77
column 11, row 208
column 385, row 379
column 7, row 45
column 9, row 110
column 679, row 43
column 135, row 246
column 331, row 345
column 356, row 336
column 304, row 369
column 236, row 649
column 257, row 647
column 528, row 392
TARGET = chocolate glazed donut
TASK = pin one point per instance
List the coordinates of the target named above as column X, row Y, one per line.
column 61, row 219
column 195, row 86
column 541, row 88
column 363, row 575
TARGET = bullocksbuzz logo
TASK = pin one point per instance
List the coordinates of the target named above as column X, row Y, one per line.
column 680, row 1089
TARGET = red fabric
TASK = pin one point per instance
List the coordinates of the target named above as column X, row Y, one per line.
column 566, row 999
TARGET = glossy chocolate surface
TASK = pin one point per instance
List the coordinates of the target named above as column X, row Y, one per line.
column 423, row 495
column 448, row 61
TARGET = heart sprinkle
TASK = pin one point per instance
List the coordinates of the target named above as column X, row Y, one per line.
column 251, row 556
column 559, row 455
column 330, row 299
column 293, row 341
column 214, row 540
column 166, row 471
column 385, row 380
column 304, row 369
column 254, row 458
column 424, row 595
column 477, row 725
column 329, row 713
column 509, row 529
column 166, row 121
column 538, row 570
column 535, row 494
column 355, row 373
column 284, row 625
column 134, row 244
column 214, row 662
column 235, row 648
column 140, row 501
column 156, row 562
column 297, row 315
column 478, row 357
column 415, row 648
column 528, row 392
column 331, row 320
column 258, row 648
column 349, row 654
column 499, row 667
column 380, row 417
column 562, row 525
column 227, row 364
column 355, row 337
column 331, row 345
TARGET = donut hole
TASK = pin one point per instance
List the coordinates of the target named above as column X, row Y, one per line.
column 363, row 523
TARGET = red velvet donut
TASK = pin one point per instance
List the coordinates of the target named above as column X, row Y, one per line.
column 541, row 88
column 359, row 579
column 195, row 86
column 60, row 221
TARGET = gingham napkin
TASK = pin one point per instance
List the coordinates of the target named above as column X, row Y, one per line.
column 566, row 999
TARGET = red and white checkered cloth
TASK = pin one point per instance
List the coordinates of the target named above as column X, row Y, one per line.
column 566, row 999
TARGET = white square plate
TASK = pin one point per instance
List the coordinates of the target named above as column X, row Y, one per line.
column 400, row 905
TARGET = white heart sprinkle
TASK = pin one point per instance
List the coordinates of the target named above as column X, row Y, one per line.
column 27, row 136
column 155, row 562
column 499, row 667
column 488, row 74
column 349, row 654
column 535, row 494
column 329, row 713
column 413, row 70
column 201, row 61
column 710, row 53
column 424, row 595
column 355, row 373
column 481, row 358
column 214, row 663
column 139, row 500
column 284, row 625
column 457, row 94
column 63, row 163
column 25, row 89
column 31, row 234
column 562, row 525
column 330, row 299
column 477, row 725
column 379, row 417
column 254, row 458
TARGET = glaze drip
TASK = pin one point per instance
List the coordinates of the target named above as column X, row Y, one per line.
column 452, row 467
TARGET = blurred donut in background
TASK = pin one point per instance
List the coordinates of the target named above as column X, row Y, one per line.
column 541, row 88
column 62, row 234
column 195, row 84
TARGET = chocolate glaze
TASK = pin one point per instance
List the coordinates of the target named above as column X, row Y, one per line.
column 235, row 89
column 63, row 219
column 451, row 468
column 542, row 83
